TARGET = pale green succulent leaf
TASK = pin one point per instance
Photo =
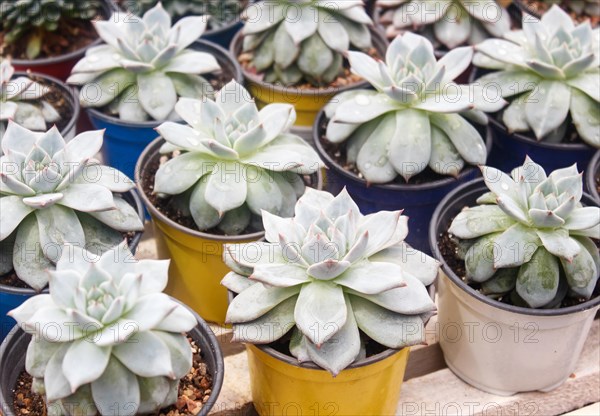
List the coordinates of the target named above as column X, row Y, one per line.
column 153, row 392
column 320, row 311
column 586, row 117
column 503, row 281
column 453, row 33
column 547, row 107
column 538, row 279
column 515, row 246
column 268, row 328
column 124, row 218
column 116, row 389
column 388, row 328
column 464, row 137
column 480, row 220
column 315, row 57
column 444, row 159
column 479, row 259
column 148, row 361
column 256, row 301
column 588, row 83
column 372, row 156
column 234, row 281
column 389, row 276
column 157, row 94
column 341, row 349
column 559, row 243
column 582, row 272
column 280, row 275
column 410, row 146
column 407, row 300
column 83, row 351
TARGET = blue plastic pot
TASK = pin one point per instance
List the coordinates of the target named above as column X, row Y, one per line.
column 11, row 297
column 124, row 141
column 509, row 151
column 417, row 200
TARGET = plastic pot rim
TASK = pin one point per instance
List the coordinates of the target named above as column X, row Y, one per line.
column 198, row 44
column 391, row 187
column 66, row 90
column 139, row 207
column 235, row 50
column 591, row 170
column 531, row 141
column 449, row 202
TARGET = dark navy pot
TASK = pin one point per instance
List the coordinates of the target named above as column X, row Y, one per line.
column 224, row 35
column 12, row 297
column 509, row 151
column 592, row 172
column 124, row 141
column 417, row 200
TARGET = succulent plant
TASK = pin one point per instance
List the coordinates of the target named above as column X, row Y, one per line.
column 106, row 340
column 221, row 12
column 411, row 119
column 579, row 7
column 550, row 69
column 51, row 194
column 589, row 7
column 21, row 100
column 31, row 18
column 328, row 273
column 234, row 161
column 304, row 41
column 451, row 23
column 144, row 66
column 530, row 236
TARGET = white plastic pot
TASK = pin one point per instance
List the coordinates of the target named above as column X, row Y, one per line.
column 496, row 347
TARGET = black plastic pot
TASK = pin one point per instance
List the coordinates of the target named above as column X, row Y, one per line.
column 541, row 345
column 67, row 92
column 417, row 200
column 61, row 66
column 11, row 297
column 591, row 177
column 124, row 141
column 13, row 352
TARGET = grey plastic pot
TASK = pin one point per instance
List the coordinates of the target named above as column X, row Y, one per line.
column 14, row 347
column 592, row 175
column 499, row 348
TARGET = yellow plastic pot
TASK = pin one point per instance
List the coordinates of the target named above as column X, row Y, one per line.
column 282, row 387
column 196, row 258
column 307, row 102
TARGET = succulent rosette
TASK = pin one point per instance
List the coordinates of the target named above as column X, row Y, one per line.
column 451, row 23
column 530, row 237
column 106, row 340
column 327, row 274
column 550, row 70
column 232, row 161
column 54, row 193
column 144, row 66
